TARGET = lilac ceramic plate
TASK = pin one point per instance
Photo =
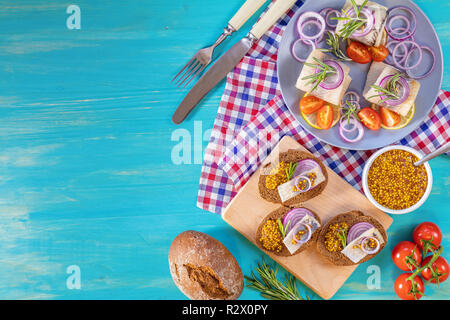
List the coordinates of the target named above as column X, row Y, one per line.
column 289, row 70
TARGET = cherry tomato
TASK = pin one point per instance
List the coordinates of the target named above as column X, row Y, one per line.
column 324, row 117
column 310, row 104
column 440, row 270
column 427, row 236
column 378, row 53
column 370, row 118
column 406, row 256
column 389, row 118
column 406, row 289
column 358, row 52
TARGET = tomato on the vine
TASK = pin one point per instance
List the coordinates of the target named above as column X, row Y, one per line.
column 409, row 289
column 438, row 272
column 427, row 236
column 406, row 256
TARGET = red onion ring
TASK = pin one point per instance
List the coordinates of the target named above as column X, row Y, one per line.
column 339, row 72
column 308, row 229
column 407, row 35
column 429, row 71
column 368, row 26
column 304, row 166
column 350, row 93
column 397, row 63
column 295, row 216
column 301, row 24
column 358, row 229
column 395, row 102
column 297, row 181
column 405, row 29
column 327, row 16
column 367, row 250
column 311, row 43
column 352, row 122
column 358, row 137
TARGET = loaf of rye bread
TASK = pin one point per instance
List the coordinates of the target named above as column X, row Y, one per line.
column 203, row 268
column 292, row 156
column 279, row 214
column 351, row 218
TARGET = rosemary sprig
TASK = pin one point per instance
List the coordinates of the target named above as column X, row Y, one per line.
column 342, row 234
column 350, row 110
column 283, row 229
column 335, row 48
column 291, row 170
column 272, row 288
column 316, row 78
column 390, row 91
column 353, row 23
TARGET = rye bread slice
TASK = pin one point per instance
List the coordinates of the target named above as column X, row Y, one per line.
column 351, row 218
column 292, row 155
column 279, row 214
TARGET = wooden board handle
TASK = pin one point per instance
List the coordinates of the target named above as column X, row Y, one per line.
column 276, row 11
column 245, row 12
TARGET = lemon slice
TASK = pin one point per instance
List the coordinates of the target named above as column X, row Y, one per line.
column 404, row 119
column 311, row 118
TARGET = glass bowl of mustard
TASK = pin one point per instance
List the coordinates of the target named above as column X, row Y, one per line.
column 393, row 183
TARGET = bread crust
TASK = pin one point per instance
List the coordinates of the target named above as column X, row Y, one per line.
column 203, row 268
column 279, row 214
column 351, row 218
column 292, row 155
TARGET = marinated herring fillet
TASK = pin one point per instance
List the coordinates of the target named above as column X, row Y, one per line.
column 377, row 72
column 333, row 96
column 375, row 36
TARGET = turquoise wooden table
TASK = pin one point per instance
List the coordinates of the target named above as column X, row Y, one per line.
column 90, row 198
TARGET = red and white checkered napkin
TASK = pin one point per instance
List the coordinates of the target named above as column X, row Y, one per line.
column 252, row 117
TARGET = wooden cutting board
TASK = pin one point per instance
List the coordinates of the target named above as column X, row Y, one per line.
column 246, row 211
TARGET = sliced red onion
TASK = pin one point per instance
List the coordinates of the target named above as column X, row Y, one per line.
column 402, row 30
column 302, row 226
column 302, row 20
column 327, row 18
column 369, row 24
column 311, row 43
column 351, row 93
column 368, row 251
column 352, row 121
column 360, row 129
column 338, row 78
column 402, row 57
column 295, row 216
column 405, row 35
column 404, row 65
column 304, row 178
column 358, row 229
column 405, row 95
column 408, row 72
column 305, row 165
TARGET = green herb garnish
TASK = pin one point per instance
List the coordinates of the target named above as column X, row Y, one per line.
column 390, row 91
column 350, row 110
column 316, row 78
column 291, row 170
column 342, row 234
column 353, row 23
column 272, row 288
column 335, row 48
column 283, row 229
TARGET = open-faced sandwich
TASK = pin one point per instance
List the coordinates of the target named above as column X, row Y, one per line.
column 373, row 18
column 351, row 238
column 293, row 178
column 392, row 91
column 288, row 231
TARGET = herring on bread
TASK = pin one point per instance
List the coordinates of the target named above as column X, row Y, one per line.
column 288, row 231
column 308, row 179
column 333, row 96
column 351, row 238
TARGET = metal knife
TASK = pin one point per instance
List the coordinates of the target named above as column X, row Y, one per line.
column 230, row 59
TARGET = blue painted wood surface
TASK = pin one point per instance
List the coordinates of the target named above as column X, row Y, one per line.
column 86, row 176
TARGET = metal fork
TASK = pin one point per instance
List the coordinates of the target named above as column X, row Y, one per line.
column 203, row 57
column 200, row 60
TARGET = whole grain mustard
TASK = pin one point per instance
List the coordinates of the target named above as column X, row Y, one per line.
column 271, row 238
column 277, row 176
column 395, row 182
